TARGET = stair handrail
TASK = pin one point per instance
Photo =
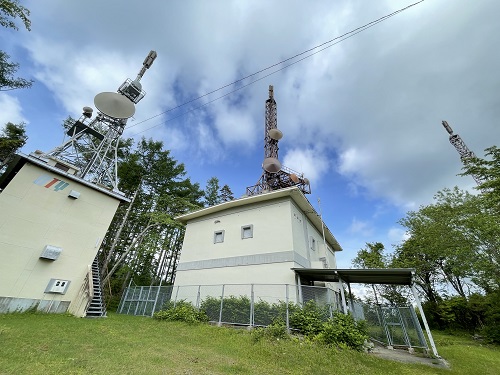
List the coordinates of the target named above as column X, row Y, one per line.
column 90, row 282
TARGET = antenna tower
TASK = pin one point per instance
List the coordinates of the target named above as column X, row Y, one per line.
column 92, row 145
column 462, row 149
column 275, row 176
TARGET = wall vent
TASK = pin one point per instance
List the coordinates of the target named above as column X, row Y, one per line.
column 51, row 252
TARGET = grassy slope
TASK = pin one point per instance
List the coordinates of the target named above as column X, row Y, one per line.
column 52, row 344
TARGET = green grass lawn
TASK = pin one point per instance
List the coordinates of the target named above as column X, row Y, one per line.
column 119, row 344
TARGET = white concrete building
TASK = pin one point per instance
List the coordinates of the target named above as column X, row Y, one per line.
column 51, row 226
column 254, row 240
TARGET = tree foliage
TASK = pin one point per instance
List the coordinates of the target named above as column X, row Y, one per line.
column 372, row 256
column 214, row 194
column 12, row 138
column 10, row 11
column 454, row 245
column 143, row 242
column 226, row 194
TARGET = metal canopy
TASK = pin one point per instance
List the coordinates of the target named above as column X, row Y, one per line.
column 391, row 276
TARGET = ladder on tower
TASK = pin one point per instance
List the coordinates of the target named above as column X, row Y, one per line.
column 96, row 308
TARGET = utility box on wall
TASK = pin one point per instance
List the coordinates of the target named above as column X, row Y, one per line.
column 57, row 286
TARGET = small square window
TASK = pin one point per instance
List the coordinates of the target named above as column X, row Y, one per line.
column 219, row 236
column 247, row 231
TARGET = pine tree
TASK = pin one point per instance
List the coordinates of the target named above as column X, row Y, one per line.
column 226, row 194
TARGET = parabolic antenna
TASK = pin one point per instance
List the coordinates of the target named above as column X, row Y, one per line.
column 114, row 105
column 271, row 165
column 294, row 177
column 306, row 181
column 275, row 134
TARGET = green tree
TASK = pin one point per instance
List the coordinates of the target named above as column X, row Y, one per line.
column 226, row 194
column 10, row 10
column 488, row 170
column 212, row 195
column 450, row 242
column 372, row 256
column 12, row 138
column 144, row 241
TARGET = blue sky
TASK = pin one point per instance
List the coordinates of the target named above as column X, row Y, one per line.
column 361, row 120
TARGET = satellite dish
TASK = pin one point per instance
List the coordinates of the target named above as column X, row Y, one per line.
column 271, row 165
column 114, row 105
column 294, row 177
column 306, row 181
column 87, row 112
column 275, row 134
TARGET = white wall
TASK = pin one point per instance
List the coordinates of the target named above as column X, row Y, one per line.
column 33, row 216
column 281, row 241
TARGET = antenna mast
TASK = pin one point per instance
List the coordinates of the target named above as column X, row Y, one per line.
column 92, row 147
column 275, row 176
column 462, row 149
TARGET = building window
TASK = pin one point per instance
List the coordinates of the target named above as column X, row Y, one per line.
column 219, row 236
column 313, row 244
column 247, row 231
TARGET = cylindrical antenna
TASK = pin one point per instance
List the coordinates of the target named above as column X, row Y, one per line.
column 148, row 61
column 447, row 127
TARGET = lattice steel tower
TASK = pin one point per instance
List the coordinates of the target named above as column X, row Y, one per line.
column 462, row 149
column 90, row 151
column 274, row 175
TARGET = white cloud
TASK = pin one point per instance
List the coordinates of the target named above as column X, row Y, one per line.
column 312, row 163
column 397, row 235
column 362, row 228
column 11, row 110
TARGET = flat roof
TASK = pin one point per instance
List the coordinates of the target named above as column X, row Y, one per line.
column 391, row 276
column 21, row 158
column 293, row 192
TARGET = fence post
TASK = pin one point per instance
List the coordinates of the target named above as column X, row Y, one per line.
column 287, row 311
column 329, row 294
column 176, row 295
column 252, row 318
column 124, row 298
column 344, row 305
column 221, row 305
column 198, row 298
column 424, row 320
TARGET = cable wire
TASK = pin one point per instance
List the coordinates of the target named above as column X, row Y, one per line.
column 338, row 39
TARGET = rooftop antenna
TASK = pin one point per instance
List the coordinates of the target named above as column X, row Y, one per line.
column 92, row 147
column 274, row 175
column 462, row 149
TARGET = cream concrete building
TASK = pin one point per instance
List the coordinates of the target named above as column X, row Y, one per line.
column 254, row 240
column 51, row 226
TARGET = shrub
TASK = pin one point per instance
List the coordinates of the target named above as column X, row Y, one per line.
column 309, row 319
column 182, row 311
column 343, row 330
column 274, row 331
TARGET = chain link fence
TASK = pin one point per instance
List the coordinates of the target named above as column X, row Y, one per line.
column 237, row 304
column 392, row 325
column 260, row 304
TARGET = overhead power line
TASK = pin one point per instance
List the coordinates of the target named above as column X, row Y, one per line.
column 325, row 45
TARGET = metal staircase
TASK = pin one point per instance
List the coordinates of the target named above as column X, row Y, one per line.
column 96, row 308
